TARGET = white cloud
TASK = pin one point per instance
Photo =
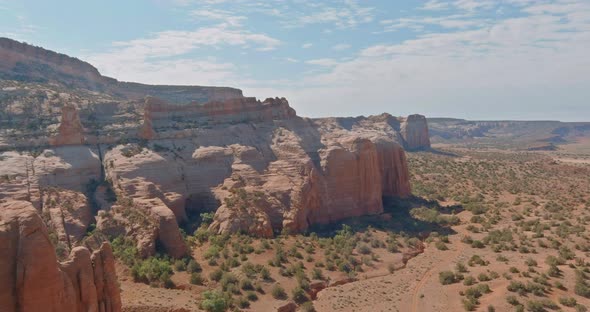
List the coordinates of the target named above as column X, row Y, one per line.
column 341, row 47
column 159, row 57
column 326, row 62
column 307, row 45
column 219, row 15
column 419, row 23
column 435, row 5
column 472, row 5
column 529, row 66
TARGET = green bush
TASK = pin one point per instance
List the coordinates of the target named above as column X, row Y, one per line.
column 364, row 249
column 193, row 267
column 298, row 295
column 278, row 292
column 581, row 288
column 252, row 296
column 246, row 284
column 214, row 301
column 196, row 279
column 447, row 277
column 152, row 270
column 216, row 275
column 568, row 302
column 307, row 307
column 242, row 303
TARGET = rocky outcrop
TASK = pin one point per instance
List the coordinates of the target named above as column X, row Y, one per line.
column 31, row 279
column 70, row 131
column 175, row 152
column 414, row 130
column 26, row 175
column 69, row 214
column 267, row 176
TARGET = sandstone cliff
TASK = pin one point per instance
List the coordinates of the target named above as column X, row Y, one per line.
column 414, row 130
column 168, row 153
column 31, row 278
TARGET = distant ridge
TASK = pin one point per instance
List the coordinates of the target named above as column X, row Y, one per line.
column 24, row 62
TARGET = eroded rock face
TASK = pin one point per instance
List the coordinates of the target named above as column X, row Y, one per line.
column 70, row 131
column 264, row 177
column 31, row 279
column 69, row 214
column 414, row 130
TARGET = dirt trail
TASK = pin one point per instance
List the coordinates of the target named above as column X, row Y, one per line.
column 457, row 255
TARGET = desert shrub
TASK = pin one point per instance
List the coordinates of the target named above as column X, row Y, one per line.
column 242, row 302
column 216, row 275
column 193, row 267
column 180, row 265
column 214, row 301
column 581, row 287
column 531, row 262
column 470, row 304
column 278, row 292
column 477, row 244
column 568, row 302
column 307, row 307
column 316, row 273
column 364, row 249
column 460, row 267
column 125, row 250
column 469, row 280
column 252, row 296
column 196, row 279
column 433, row 216
column 152, row 271
column 441, row 246
column 541, row 305
column 265, row 274
column 447, row 277
column 246, row 284
column 477, row 260
column 228, row 279
column 298, row 295
column 512, row 300
column 482, row 277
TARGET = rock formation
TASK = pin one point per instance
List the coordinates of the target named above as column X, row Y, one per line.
column 70, row 131
column 31, row 279
column 414, row 130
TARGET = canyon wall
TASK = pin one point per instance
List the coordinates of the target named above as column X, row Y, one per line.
column 85, row 157
column 97, row 151
column 31, row 278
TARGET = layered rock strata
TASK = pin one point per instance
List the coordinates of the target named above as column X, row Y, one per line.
column 31, row 278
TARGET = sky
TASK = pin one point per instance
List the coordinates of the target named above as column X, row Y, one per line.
column 473, row 59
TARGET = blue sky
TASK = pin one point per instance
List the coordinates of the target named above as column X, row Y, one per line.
column 476, row 59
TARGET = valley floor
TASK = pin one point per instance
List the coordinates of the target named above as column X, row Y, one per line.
column 499, row 230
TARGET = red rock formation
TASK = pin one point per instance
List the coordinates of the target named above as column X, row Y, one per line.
column 69, row 214
column 414, row 130
column 31, row 279
column 147, row 130
column 217, row 112
column 70, row 131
